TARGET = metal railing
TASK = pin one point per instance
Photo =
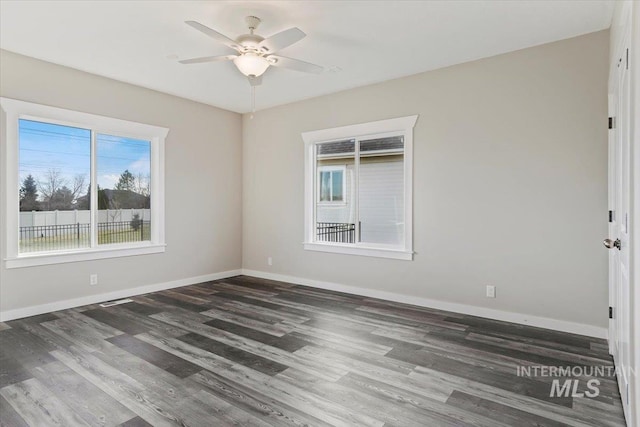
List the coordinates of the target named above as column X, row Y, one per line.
column 41, row 238
column 124, row 231
column 335, row 232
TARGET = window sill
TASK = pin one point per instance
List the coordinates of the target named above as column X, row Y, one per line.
column 28, row 260
column 332, row 204
column 350, row 249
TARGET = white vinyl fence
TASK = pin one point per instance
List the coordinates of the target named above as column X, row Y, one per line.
column 39, row 218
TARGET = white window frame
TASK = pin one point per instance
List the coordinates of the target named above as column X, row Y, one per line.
column 332, row 169
column 14, row 111
column 398, row 126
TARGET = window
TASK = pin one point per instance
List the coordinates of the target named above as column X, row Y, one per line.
column 358, row 189
column 124, row 189
column 332, row 184
column 80, row 186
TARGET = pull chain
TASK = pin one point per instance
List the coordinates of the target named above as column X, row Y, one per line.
column 253, row 101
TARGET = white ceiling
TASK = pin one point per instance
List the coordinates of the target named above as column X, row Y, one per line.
column 139, row 42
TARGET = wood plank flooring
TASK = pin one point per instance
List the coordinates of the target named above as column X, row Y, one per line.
column 253, row 352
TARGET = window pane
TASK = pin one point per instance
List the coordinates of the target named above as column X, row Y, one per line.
column 54, row 172
column 381, row 192
column 124, row 189
column 336, row 183
column 395, row 143
column 325, row 186
column 338, row 148
column 335, row 217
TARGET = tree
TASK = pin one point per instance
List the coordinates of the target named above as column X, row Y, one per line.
column 51, row 183
column 126, row 181
column 78, row 185
column 103, row 201
column 135, row 222
column 84, row 202
column 56, row 195
column 62, row 199
column 142, row 184
column 29, row 194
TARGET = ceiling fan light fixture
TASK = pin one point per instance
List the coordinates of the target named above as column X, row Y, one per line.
column 254, row 52
column 251, row 64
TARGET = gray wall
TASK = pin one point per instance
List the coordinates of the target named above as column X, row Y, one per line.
column 510, row 177
column 203, row 170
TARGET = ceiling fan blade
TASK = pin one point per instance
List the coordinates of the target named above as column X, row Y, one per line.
column 255, row 81
column 295, row 64
column 208, row 59
column 281, row 40
column 213, row 34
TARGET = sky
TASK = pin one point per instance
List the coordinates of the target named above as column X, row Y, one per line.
column 45, row 146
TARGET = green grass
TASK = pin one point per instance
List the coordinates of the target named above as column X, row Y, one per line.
column 73, row 241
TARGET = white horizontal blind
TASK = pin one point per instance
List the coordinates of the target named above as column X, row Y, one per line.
column 381, row 191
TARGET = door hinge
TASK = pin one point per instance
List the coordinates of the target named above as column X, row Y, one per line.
column 626, row 222
column 610, row 312
column 610, row 216
column 627, row 59
column 612, row 122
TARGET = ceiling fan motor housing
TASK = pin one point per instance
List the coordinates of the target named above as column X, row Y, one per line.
column 250, row 42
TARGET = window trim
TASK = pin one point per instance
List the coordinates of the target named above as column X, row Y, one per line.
column 14, row 110
column 332, row 169
column 400, row 125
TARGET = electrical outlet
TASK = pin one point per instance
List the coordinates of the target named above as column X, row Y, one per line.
column 269, row 261
column 93, row 279
column 491, row 291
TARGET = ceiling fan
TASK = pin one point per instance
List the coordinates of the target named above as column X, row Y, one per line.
column 255, row 53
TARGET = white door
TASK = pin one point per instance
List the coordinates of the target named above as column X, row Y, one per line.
column 620, row 223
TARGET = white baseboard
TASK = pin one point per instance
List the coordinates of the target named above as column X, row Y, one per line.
column 33, row 310
column 507, row 316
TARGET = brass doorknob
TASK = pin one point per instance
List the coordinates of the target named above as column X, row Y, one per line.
column 610, row 244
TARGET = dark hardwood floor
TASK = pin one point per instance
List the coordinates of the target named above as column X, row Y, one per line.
column 247, row 351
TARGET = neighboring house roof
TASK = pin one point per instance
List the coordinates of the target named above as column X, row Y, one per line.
column 124, row 199
column 382, row 144
column 119, row 199
column 338, row 147
column 370, row 146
